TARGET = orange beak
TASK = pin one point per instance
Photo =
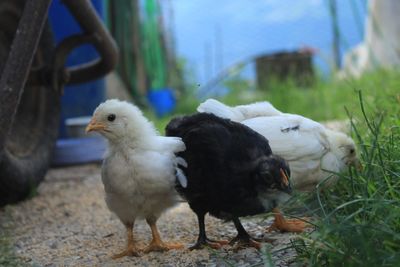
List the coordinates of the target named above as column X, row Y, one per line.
column 285, row 179
column 357, row 164
column 95, row 126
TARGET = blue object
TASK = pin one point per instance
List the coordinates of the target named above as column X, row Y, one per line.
column 79, row 150
column 162, row 101
column 78, row 100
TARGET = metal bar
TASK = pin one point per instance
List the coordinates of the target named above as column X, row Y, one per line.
column 92, row 26
column 336, row 33
column 19, row 61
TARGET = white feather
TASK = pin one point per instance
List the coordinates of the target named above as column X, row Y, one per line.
column 164, row 143
column 312, row 151
column 221, row 110
column 238, row 113
column 258, row 109
column 181, row 161
column 181, row 178
column 140, row 167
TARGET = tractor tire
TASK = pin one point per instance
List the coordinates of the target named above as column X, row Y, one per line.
column 28, row 148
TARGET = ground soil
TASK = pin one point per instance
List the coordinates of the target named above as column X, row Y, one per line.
column 68, row 224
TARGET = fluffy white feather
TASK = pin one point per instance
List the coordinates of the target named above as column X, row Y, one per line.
column 312, row 151
column 238, row 113
column 140, row 166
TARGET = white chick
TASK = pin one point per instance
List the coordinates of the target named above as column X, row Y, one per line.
column 315, row 154
column 139, row 171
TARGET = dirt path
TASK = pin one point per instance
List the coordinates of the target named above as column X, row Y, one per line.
column 68, row 224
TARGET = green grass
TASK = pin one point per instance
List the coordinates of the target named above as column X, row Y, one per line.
column 358, row 220
column 325, row 100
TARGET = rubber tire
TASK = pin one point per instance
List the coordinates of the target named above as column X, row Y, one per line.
column 29, row 146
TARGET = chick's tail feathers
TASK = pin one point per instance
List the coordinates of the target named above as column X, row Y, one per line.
column 221, row 110
column 180, row 176
column 168, row 143
column 258, row 109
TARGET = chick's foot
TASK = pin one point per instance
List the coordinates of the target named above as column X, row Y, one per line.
column 130, row 251
column 242, row 242
column 160, row 246
column 156, row 243
column 288, row 225
column 214, row 244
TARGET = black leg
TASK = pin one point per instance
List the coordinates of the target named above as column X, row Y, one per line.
column 243, row 239
column 202, row 240
column 202, row 229
column 239, row 227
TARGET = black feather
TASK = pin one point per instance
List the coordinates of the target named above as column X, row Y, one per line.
column 229, row 166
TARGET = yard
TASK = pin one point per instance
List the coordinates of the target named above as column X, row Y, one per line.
column 357, row 222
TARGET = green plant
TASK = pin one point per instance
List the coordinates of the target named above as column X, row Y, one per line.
column 358, row 220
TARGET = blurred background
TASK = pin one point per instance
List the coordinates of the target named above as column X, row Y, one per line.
column 176, row 53
column 203, row 43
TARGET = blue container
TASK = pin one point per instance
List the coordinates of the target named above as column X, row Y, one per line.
column 78, row 150
column 78, row 100
column 162, row 101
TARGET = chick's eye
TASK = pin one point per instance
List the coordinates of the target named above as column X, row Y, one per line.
column 352, row 151
column 111, row 117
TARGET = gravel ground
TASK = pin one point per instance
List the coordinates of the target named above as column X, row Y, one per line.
column 68, row 224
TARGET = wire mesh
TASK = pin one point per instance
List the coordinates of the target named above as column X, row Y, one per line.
column 215, row 35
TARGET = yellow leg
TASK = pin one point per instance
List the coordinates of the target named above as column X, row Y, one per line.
column 284, row 225
column 131, row 249
column 156, row 243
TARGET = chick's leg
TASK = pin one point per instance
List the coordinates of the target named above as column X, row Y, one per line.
column 286, row 225
column 156, row 243
column 243, row 239
column 131, row 249
column 202, row 240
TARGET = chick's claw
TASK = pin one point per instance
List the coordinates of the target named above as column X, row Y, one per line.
column 214, row 244
column 130, row 252
column 244, row 242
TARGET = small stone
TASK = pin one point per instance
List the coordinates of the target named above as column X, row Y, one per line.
column 53, row 244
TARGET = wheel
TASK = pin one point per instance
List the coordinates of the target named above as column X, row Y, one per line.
column 29, row 146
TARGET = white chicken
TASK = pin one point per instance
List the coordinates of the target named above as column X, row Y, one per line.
column 139, row 171
column 238, row 113
column 315, row 154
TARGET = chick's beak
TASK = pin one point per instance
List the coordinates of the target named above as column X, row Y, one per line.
column 285, row 180
column 357, row 164
column 95, row 126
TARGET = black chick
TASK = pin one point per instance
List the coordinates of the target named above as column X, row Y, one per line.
column 231, row 172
